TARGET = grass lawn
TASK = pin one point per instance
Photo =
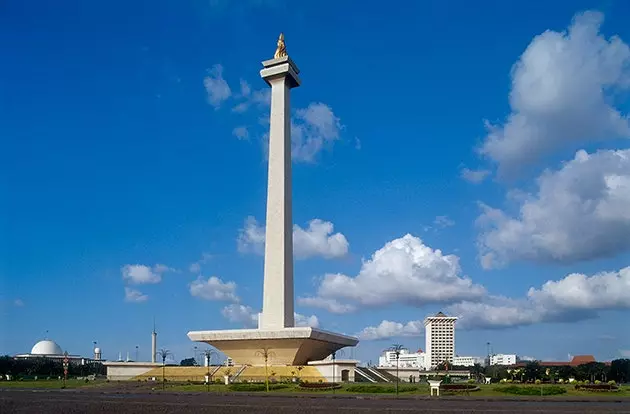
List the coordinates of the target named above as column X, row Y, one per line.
column 493, row 390
column 51, row 384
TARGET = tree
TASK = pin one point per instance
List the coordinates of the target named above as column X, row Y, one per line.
column 163, row 353
column 533, row 371
column 619, row 370
column 266, row 353
column 188, row 362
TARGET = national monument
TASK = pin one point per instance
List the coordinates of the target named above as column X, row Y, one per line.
column 276, row 332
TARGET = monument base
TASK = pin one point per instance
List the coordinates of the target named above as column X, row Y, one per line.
column 288, row 346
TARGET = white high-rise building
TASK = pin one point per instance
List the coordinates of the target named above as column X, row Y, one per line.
column 440, row 339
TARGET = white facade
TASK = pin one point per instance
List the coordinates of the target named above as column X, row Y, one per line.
column 440, row 339
column 467, row 361
column 406, row 359
column 503, row 359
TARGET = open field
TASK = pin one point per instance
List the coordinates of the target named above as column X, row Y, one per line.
column 408, row 390
column 110, row 400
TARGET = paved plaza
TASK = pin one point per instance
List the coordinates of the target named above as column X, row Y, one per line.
column 82, row 401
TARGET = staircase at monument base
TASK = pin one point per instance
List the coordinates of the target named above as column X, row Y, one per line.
column 362, row 374
column 388, row 377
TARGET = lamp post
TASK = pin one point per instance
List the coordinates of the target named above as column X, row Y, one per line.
column 334, row 355
column 94, row 362
column 137, row 353
column 208, row 354
column 396, row 349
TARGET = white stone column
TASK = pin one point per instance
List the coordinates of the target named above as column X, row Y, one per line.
column 277, row 312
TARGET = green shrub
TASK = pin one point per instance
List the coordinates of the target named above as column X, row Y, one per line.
column 471, row 381
column 379, row 389
column 597, row 382
column 612, row 382
column 256, row 387
column 538, row 382
column 525, row 390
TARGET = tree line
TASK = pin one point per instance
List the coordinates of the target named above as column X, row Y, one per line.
column 618, row 371
column 46, row 367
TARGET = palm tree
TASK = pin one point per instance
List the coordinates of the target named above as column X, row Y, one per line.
column 163, row 353
column 396, row 349
column 266, row 353
column 208, row 355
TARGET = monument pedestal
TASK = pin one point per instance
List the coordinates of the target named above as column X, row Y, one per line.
column 287, row 346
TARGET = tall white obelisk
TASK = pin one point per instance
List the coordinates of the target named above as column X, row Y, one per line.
column 282, row 75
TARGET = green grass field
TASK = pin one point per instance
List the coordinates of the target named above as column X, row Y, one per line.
column 54, row 383
column 405, row 389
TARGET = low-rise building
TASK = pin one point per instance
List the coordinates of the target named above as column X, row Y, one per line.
column 467, row 361
column 503, row 359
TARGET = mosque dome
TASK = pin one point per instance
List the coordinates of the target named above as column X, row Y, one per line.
column 46, row 347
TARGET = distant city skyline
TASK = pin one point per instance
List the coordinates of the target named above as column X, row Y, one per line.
column 488, row 182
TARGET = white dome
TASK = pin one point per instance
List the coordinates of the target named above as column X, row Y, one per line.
column 97, row 350
column 46, row 347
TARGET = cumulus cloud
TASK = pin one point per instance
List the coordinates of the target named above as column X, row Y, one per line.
column 405, row 270
column 317, row 239
column 387, row 329
column 214, row 288
column 217, row 88
column 331, row 305
column 312, row 129
column 309, row 321
column 560, row 97
column 474, row 176
column 18, row 303
column 241, row 314
column 138, row 274
column 579, row 212
column 248, row 317
column 134, row 296
column 575, row 297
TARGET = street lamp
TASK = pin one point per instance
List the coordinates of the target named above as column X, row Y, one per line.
column 208, row 354
column 137, row 353
column 396, row 349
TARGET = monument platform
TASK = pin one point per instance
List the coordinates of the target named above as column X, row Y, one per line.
column 286, row 346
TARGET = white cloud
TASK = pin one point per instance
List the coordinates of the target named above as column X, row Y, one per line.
column 317, row 239
column 575, row 297
column 245, row 88
column 242, row 314
column 387, row 329
column 134, row 296
column 560, row 97
column 251, row 238
column 331, row 305
column 311, row 321
column 214, row 289
column 312, row 129
column 443, row 221
column 474, row 176
column 138, row 274
column 18, row 302
column 580, row 212
column 195, row 267
column 241, row 132
column 248, row 317
column 403, row 271
column 217, row 88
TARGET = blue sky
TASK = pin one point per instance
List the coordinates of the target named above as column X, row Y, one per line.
column 133, row 171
